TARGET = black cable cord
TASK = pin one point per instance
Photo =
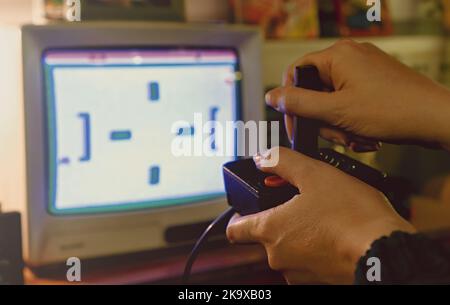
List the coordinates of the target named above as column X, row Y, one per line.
column 221, row 219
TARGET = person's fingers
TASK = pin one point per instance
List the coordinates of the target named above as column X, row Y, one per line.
column 362, row 148
column 290, row 165
column 248, row 229
column 323, row 60
column 362, row 144
column 328, row 133
column 356, row 143
column 337, row 136
column 320, row 59
column 323, row 106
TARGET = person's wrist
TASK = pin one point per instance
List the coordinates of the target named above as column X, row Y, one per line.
column 374, row 231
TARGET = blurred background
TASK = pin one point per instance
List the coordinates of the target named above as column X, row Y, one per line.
column 414, row 31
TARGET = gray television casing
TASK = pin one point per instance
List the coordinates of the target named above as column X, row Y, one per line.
column 52, row 239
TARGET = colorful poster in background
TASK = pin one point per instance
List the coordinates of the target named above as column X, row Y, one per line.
column 446, row 4
column 54, row 9
column 160, row 10
column 280, row 18
column 164, row 10
column 352, row 19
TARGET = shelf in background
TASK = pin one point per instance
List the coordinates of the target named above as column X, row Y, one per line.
column 423, row 53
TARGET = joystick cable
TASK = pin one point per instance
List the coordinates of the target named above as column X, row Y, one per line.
column 222, row 219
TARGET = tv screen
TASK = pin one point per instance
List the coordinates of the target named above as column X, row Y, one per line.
column 112, row 118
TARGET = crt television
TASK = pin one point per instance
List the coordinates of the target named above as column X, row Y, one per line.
column 87, row 130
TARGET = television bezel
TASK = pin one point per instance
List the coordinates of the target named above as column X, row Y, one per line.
column 54, row 238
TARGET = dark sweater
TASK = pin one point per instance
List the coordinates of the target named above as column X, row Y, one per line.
column 405, row 259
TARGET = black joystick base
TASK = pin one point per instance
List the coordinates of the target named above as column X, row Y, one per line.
column 251, row 191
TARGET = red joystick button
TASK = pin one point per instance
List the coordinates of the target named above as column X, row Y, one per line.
column 275, row 181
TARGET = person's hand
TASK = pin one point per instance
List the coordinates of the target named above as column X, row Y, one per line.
column 375, row 98
column 318, row 236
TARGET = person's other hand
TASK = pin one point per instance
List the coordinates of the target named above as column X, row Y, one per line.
column 375, row 98
column 318, row 236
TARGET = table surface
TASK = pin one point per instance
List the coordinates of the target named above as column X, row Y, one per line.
column 227, row 264
column 222, row 265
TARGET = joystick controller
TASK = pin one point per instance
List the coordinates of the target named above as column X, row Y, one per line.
column 250, row 190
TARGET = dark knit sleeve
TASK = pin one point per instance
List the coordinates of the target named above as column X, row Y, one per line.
column 405, row 259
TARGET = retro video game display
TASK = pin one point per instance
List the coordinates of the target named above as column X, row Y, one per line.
column 110, row 126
